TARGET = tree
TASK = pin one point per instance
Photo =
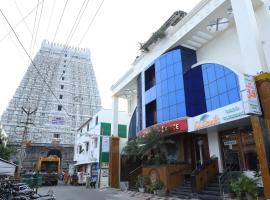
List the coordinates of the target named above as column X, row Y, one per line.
column 6, row 152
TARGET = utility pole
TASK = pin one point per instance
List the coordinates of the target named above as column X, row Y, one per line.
column 24, row 136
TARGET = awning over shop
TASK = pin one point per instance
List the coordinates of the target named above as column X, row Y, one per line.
column 7, row 168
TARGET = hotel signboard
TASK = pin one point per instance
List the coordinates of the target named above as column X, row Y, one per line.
column 219, row 116
column 250, row 96
column 169, row 127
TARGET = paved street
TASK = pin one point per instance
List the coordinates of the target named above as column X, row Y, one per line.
column 67, row 192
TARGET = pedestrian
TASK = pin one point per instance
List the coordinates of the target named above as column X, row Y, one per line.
column 93, row 182
column 66, row 177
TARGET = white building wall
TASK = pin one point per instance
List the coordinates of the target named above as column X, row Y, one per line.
column 223, row 49
column 84, row 136
column 263, row 17
column 214, row 147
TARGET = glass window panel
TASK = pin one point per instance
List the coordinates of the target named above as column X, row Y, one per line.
column 176, row 56
column 162, row 62
column 172, row 98
column 159, row 115
column 206, row 92
column 177, row 67
column 208, row 105
column 179, row 82
column 227, row 70
column 159, row 103
column 157, row 65
column 172, row 112
column 181, row 110
column 213, row 89
column 180, row 96
column 234, row 95
column 205, row 79
column 223, row 99
column 219, row 71
column 171, row 84
column 165, row 101
column 165, row 114
column 163, row 74
column 169, row 58
column 164, row 87
column 211, row 74
column 222, row 85
column 158, row 77
column 159, row 90
column 170, row 71
column 215, row 102
column 231, row 81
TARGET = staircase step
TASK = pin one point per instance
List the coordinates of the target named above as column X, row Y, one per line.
column 209, row 192
column 208, row 197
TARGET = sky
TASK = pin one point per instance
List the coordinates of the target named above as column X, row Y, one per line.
column 112, row 38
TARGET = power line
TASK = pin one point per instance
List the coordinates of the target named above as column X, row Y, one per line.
column 20, row 12
column 91, row 22
column 40, row 74
column 57, row 28
column 38, row 25
column 33, row 32
column 16, row 25
column 50, row 19
column 86, row 31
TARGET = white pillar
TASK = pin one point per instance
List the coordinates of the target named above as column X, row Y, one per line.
column 115, row 116
column 214, row 148
column 248, row 35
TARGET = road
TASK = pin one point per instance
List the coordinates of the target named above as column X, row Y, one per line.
column 67, row 192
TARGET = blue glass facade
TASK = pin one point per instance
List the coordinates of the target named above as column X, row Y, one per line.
column 180, row 90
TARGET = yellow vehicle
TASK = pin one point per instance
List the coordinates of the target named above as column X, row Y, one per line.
column 49, row 167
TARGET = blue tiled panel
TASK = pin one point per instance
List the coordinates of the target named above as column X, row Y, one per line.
column 221, row 86
column 169, row 86
column 194, row 92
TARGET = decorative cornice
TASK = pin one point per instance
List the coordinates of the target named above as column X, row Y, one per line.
column 263, row 75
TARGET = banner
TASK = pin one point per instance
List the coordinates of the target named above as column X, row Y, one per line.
column 105, row 143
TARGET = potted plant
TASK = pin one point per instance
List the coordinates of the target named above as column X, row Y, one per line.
column 158, row 188
column 245, row 187
column 140, row 183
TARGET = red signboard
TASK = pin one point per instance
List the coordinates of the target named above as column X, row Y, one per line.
column 169, row 127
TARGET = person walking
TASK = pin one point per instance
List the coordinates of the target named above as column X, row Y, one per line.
column 66, row 177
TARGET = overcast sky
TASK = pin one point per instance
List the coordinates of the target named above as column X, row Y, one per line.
column 112, row 38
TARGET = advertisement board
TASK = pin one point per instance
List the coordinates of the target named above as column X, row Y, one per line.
column 250, row 96
column 105, row 143
column 58, row 121
column 219, row 116
column 169, row 127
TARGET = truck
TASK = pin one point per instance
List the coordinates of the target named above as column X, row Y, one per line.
column 49, row 167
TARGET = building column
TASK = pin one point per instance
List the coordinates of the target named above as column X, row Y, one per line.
column 248, row 35
column 261, row 130
column 114, row 130
column 214, row 148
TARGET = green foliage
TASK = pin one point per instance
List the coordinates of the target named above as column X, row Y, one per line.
column 143, row 181
column 140, row 145
column 158, row 185
column 245, row 185
column 6, row 152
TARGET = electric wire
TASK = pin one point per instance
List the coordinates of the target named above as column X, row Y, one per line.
column 50, row 18
column 20, row 12
column 32, row 62
column 16, row 25
column 57, row 28
column 34, row 44
column 33, row 31
column 87, row 29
